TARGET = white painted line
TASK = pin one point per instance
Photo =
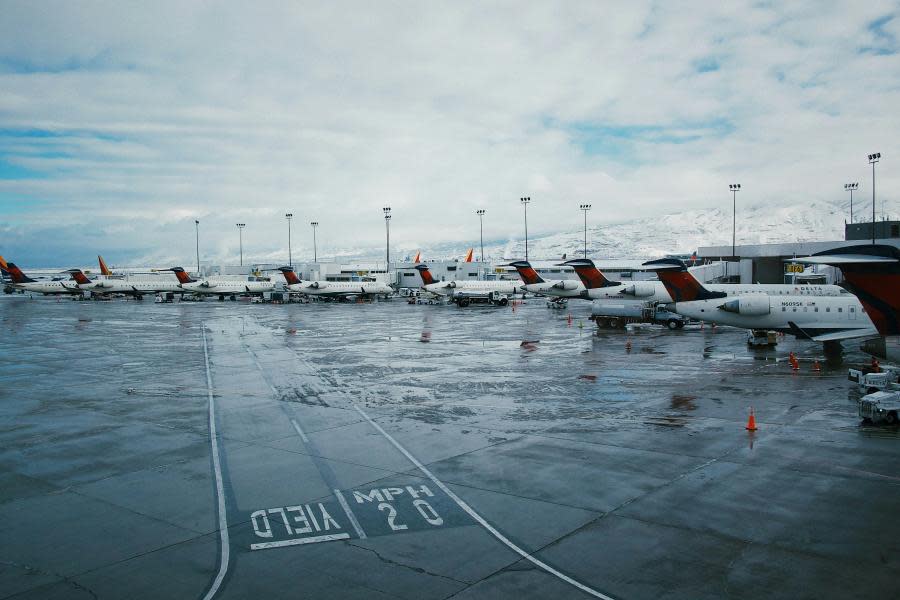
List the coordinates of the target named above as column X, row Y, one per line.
column 502, row 538
column 220, row 491
column 300, row 431
column 298, row 541
column 359, row 530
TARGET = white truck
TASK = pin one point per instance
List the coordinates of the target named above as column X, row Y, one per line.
column 880, row 406
column 617, row 315
column 463, row 299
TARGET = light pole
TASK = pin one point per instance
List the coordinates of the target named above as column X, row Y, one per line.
column 240, row 227
column 387, row 228
column 197, row 229
column 480, row 213
column 315, row 254
column 850, row 187
column 289, row 216
column 585, row 208
column 735, row 188
column 873, row 158
column 525, row 202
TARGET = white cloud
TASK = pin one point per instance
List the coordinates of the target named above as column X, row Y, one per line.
column 164, row 113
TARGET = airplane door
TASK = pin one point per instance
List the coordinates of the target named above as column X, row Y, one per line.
column 852, row 312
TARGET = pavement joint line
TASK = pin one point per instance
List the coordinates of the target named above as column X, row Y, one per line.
column 399, row 564
column 220, row 492
column 478, row 518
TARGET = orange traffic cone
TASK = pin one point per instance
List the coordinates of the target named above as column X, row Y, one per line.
column 816, row 367
column 751, row 422
column 570, row 319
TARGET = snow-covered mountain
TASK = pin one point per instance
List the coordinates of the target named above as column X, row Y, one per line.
column 673, row 233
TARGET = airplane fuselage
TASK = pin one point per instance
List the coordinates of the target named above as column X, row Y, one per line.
column 341, row 288
column 564, row 288
column 130, row 287
column 472, row 288
column 655, row 291
column 48, row 287
column 227, row 287
column 816, row 315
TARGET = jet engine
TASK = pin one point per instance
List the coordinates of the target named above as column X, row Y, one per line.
column 640, row 289
column 566, row 284
column 751, row 306
column 315, row 285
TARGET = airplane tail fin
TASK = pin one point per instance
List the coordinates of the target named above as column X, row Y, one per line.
column 527, row 272
column 17, row 275
column 289, row 275
column 427, row 278
column 104, row 270
column 418, row 257
column 589, row 274
column 872, row 273
column 681, row 285
column 181, row 274
column 79, row 277
column 469, row 255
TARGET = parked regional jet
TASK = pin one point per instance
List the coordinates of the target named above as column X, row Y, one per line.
column 334, row 289
column 221, row 286
column 129, row 287
column 534, row 283
column 21, row 281
column 872, row 273
column 600, row 288
column 817, row 318
column 467, row 290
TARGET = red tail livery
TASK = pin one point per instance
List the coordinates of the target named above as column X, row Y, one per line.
column 589, row 274
column 527, row 272
column 872, row 273
column 681, row 285
column 289, row 275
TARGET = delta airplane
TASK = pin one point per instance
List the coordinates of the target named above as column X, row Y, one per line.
column 534, row 283
column 220, row 286
column 817, row 318
column 464, row 291
column 137, row 287
column 334, row 289
column 872, row 273
column 20, row 281
column 600, row 288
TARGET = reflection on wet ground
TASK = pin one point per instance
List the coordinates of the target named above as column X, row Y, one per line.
column 409, row 451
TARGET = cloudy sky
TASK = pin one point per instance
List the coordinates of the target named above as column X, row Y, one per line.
column 122, row 122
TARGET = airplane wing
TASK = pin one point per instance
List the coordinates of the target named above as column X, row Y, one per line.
column 832, row 336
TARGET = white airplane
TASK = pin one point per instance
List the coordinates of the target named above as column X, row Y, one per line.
column 817, row 318
column 129, row 287
column 221, row 286
column 462, row 292
column 872, row 273
column 20, row 281
column 598, row 287
column 534, row 283
column 334, row 289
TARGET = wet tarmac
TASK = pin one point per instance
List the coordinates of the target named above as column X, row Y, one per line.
column 398, row 451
